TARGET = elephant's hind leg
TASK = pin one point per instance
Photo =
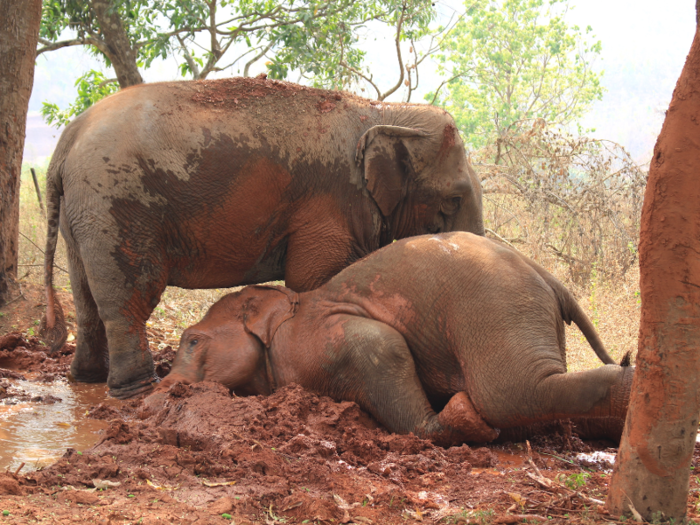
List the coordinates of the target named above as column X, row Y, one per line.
column 126, row 295
column 596, row 400
column 377, row 370
column 91, row 361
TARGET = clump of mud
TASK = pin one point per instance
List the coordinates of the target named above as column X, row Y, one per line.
column 197, row 453
column 29, row 355
column 162, row 360
column 303, row 455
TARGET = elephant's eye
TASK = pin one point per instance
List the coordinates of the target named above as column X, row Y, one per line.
column 194, row 342
column 451, row 205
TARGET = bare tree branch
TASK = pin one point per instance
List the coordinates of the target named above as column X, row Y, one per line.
column 52, row 46
column 257, row 57
column 442, row 84
column 188, row 57
column 399, row 24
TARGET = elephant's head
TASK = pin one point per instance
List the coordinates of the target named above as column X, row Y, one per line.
column 421, row 178
column 229, row 345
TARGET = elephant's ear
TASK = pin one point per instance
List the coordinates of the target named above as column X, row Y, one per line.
column 272, row 306
column 386, row 163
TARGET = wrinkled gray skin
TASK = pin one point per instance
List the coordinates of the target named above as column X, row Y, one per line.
column 451, row 337
column 212, row 184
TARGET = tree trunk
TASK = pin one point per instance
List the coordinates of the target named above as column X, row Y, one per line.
column 19, row 33
column 652, row 469
column 118, row 49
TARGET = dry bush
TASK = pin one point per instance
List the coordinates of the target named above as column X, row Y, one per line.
column 559, row 196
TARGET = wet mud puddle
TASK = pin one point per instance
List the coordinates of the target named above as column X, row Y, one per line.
column 39, row 421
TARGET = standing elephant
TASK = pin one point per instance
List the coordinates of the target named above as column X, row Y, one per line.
column 451, row 323
column 218, row 183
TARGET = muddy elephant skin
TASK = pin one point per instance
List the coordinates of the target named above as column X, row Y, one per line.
column 212, row 184
column 449, row 336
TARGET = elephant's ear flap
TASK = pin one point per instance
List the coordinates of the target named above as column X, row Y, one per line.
column 386, row 163
column 272, row 307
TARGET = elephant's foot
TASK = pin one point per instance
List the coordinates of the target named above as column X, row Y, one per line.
column 128, row 382
column 599, row 428
column 461, row 422
column 133, row 389
column 88, row 372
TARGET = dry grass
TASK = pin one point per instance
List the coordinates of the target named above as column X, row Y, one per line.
column 32, row 239
column 614, row 307
column 610, row 298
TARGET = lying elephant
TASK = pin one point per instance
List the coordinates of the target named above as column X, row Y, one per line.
column 219, row 183
column 454, row 322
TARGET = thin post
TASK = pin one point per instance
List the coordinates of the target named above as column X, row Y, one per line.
column 38, row 191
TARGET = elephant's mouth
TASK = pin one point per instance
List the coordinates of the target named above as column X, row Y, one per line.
column 434, row 229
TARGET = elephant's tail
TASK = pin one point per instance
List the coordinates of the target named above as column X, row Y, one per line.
column 578, row 316
column 572, row 311
column 53, row 327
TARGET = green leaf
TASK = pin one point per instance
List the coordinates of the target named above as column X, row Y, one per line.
column 91, row 87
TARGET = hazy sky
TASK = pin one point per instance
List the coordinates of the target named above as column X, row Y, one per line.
column 644, row 49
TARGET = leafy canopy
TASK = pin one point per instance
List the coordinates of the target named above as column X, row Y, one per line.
column 91, row 87
column 512, row 60
column 316, row 40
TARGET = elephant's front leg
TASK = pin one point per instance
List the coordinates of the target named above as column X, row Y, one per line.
column 373, row 366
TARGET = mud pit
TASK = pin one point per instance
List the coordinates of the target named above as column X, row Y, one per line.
column 201, row 455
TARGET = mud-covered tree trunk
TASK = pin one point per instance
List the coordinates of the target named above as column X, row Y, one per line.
column 652, row 469
column 118, row 48
column 19, row 32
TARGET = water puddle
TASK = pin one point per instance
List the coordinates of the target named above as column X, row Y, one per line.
column 509, row 459
column 36, row 429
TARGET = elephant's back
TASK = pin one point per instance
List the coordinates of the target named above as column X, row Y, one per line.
column 429, row 264
column 457, row 293
column 180, row 128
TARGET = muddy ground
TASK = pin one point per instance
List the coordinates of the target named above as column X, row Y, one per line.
column 203, row 456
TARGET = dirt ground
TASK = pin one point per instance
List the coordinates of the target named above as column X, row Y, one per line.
column 202, row 455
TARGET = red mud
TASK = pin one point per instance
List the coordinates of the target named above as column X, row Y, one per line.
column 197, row 454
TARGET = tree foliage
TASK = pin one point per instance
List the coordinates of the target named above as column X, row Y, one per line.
column 91, row 87
column 512, row 60
column 314, row 39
